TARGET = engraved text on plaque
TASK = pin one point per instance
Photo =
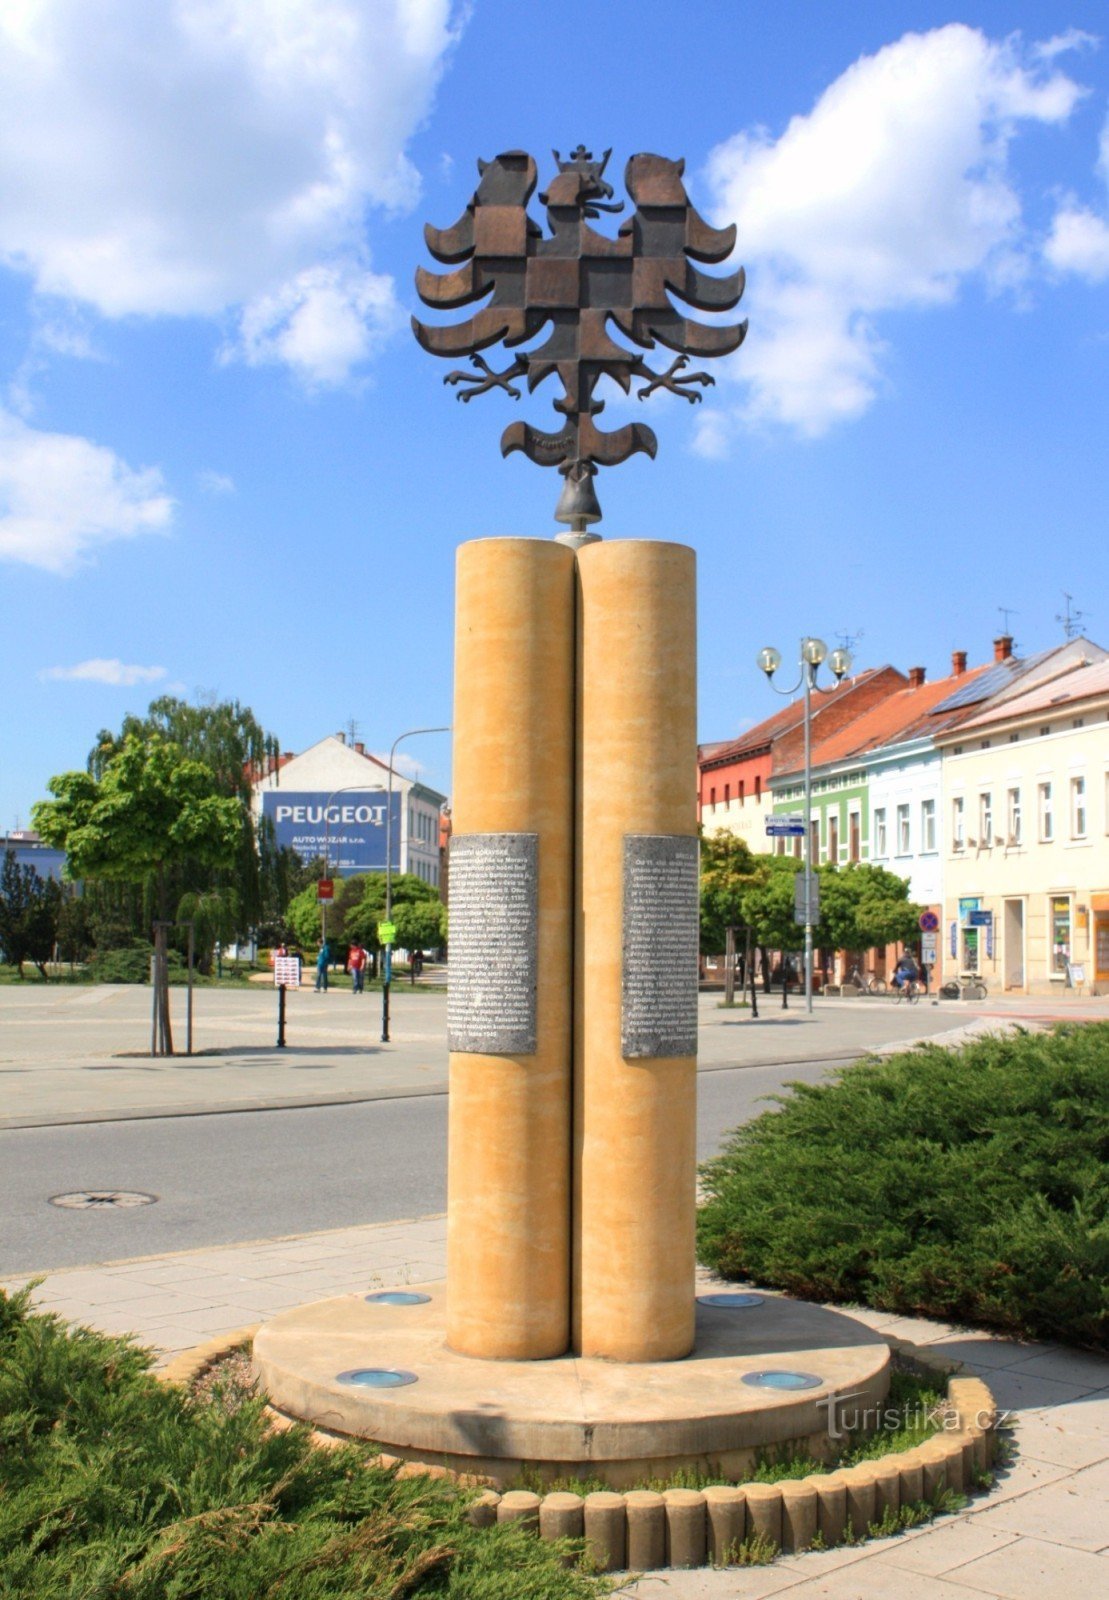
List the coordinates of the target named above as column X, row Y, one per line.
column 494, row 943
column 658, row 1013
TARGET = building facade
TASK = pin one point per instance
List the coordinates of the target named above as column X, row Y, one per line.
column 332, row 802
column 1026, row 862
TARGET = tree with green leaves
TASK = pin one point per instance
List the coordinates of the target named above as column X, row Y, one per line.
column 214, row 914
column 150, row 810
column 862, row 905
column 228, row 739
column 29, row 907
column 727, row 866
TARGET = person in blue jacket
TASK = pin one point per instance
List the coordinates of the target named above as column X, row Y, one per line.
column 323, row 961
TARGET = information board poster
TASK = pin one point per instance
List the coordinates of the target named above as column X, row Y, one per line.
column 349, row 833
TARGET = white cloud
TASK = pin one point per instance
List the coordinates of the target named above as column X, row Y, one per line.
column 324, row 322
column 888, row 195
column 111, row 671
column 184, row 157
column 1079, row 238
column 61, row 497
column 215, row 483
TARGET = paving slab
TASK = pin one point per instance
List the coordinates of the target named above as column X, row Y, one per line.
column 1033, row 1569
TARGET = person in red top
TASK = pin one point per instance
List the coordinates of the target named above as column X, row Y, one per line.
column 356, row 964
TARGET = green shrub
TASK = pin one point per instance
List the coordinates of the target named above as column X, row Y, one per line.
column 967, row 1184
column 115, row 1485
column 131, row 965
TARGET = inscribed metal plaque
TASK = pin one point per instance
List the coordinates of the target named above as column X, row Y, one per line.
column 494, row 943
column 658, row 1011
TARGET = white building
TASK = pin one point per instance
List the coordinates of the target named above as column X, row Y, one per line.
column 332, row 801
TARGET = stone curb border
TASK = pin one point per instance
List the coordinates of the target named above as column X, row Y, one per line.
column 642, row 1530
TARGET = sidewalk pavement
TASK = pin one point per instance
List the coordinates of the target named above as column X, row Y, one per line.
column 74, row 1053
column 1042, row 1534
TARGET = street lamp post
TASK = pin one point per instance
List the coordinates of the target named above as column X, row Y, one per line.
column 813, row 653
column 387, row 957
column 347, row 788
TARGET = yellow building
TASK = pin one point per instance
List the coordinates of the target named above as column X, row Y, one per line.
column 1026, row 802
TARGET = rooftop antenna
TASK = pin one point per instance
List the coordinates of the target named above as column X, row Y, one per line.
column 1006, row 613
column 848, row 641
column 353, row 729
column 1071, row 620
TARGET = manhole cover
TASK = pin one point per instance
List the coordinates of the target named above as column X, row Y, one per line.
column 101, row 1199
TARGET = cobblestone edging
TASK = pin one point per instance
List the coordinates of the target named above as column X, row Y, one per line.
column 643, row 1530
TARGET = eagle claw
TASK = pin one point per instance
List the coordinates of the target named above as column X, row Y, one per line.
column 668, row 380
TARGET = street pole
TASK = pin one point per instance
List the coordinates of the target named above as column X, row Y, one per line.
column 809, row 671
column 387, row 953
column 813, row 652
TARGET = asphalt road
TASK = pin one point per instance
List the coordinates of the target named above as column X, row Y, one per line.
column 264, row 1174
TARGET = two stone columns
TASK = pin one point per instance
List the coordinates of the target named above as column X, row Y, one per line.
column 572, row 1006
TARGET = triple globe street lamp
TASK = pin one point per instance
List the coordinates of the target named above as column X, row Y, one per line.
column 814, row 652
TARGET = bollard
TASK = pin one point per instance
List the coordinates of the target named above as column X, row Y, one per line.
column 831, row 1507
column 560, row 1517
column 859, row 1482
column 646, row 1530
column 520, row 1505
column 606, row 1530
column 726, row 1517
column 482, row 1512
column 800, row 1514
column 686, row 1539
column 764, row 1512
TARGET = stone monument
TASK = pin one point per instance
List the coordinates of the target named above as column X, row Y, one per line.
column 572, row 1004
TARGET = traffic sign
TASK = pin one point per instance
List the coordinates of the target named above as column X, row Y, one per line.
column 386, row 933
column 325, row 889
column 799, row 916
column 788, row 825
column 286, row 972
column 929, row 922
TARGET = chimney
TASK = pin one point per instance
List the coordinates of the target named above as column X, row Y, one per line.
column 342, row 738
column 1003, row 647
column 916, row 677
column 286, row 755
column 361, row 748
column 958, row 663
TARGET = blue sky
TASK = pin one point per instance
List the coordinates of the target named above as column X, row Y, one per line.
column 226, row 467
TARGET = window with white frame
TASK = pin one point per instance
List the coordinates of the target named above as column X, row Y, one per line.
column 1047, row 813
column 1078, row 808
column 903, row 830
column 927, row 824
column 1013, row 821
column 958, row 823
column 833, row 836
column 985, row 817
column 880, row 831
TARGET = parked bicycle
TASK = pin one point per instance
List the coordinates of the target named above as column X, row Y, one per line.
column 968, row 986
column 864, row 982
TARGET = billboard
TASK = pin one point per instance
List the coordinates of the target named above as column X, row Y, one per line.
column 348, row 832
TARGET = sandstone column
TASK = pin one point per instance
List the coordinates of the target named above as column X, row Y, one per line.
column 635, row 997
column 511, row 938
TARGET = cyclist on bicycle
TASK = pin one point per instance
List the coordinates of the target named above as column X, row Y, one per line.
column 905, row 972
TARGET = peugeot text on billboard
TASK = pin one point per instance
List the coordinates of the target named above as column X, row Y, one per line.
column 349, row 833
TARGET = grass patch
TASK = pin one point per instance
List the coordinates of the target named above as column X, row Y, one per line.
column 114, row 1486
column 969, row 1185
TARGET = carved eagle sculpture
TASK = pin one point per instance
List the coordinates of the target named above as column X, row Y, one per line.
column 580, row 288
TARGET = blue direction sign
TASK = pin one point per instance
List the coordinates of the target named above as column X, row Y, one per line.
column 790, row 825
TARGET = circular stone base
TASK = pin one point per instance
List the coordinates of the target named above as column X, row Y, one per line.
column 573, row 1416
